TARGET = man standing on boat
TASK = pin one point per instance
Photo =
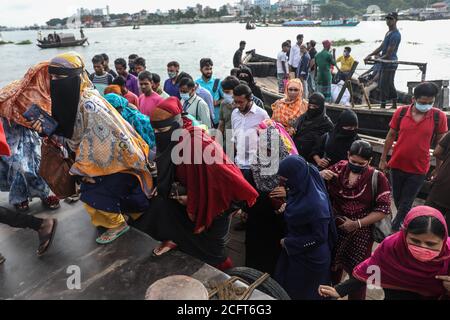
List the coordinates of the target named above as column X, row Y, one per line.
column 416, row 126
column 237, row 58
column 388, row 50
column 324, row 60
column 295, row 54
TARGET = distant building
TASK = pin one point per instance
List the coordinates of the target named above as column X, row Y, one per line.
column 97, row 12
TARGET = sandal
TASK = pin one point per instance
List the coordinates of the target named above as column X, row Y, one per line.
column 72, row 199
column 23, row 206
column 111, row 235
column 165, row 247
column 2, row 259
column 51, row 202
column 46, row 241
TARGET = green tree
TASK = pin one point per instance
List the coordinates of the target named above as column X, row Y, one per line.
column 223, row 11
column 335, row 10
column 190, row 14
column 258, row 11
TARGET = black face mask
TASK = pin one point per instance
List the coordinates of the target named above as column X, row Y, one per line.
column 312, row 113
column 356, row 168
column 65, row 96
column 163, row 140
column 347, row 133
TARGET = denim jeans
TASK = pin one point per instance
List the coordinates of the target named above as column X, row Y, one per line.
column 405, row 188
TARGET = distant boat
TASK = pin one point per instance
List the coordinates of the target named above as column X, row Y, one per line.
column 302, row 23
column 340, row 23
column 250, row 26
column 61, row 40
column 136, row 27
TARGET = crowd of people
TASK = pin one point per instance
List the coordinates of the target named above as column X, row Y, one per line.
column 316, row 69
column 179, row 159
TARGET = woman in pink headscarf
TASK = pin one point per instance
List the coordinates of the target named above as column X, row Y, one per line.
column 411, row 264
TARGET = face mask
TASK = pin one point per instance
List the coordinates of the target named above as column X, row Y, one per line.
column 346, row 54
column 185, row 96
column 312, row 113
column 423, row 107
column 356, row 168
column 172, row 75
column 228, row 98
column 422, row 254
column 347, row 133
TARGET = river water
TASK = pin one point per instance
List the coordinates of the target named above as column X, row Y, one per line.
column 421, row 42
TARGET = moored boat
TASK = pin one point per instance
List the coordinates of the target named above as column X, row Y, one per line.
column 60, row 40
column 340, row 23
column 302, row 23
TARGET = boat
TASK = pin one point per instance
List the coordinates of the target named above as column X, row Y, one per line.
column 250, row 26
column 60, row 40
column 302, row 23
column 373, row 121
column 340, row 23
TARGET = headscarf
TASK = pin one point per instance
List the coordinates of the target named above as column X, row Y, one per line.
column 307, row 198
column 104, row 143
column 245, row 74
column 113, row 88
column 4, row 147
column 211, row 188
column 400, row 270
column 340, row 140
column 140, row 122
column 268, row 157
column 65, row 92
column 312, row 125
column 286, row 111
column 19, row 95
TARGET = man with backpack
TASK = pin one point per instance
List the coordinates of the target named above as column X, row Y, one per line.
column 417, row 127
column 213, row 85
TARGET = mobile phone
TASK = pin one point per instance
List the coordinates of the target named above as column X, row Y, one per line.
column 35, row 112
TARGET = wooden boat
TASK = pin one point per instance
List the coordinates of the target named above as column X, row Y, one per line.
column 340, row 23
column 250, row 26
column 65, row 40
column 302, row 23
column 373, row 121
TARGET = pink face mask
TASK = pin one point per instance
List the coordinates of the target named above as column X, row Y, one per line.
column 422, row 254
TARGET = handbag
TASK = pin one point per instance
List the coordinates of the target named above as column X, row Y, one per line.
column 54, row 169
column 383, row 228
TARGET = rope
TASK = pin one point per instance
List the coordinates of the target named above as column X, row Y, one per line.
column 226, row 290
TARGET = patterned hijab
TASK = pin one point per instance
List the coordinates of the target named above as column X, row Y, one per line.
column 286, row 111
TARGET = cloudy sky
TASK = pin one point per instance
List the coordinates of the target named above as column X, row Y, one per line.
column 28, row 12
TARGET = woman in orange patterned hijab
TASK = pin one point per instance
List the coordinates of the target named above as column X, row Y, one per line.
column 291, row 107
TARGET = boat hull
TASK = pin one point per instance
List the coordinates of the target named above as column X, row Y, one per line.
column 76, row 43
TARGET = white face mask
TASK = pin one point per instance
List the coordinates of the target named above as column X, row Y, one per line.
column 185, row 96
column 228, row 98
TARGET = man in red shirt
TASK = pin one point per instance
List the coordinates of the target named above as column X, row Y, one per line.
column 417, row 126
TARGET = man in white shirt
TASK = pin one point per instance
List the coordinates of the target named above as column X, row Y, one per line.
column 282, row 66
column 193, row 104
column 295, row 54
column 244, row 122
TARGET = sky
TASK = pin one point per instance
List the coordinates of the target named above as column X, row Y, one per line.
column 17, row 13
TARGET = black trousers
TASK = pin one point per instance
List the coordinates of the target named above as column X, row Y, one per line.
column 19, row 220
column 387, row 85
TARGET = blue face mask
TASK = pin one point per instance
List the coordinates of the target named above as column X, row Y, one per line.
column 185, row 96
column 424, row 107
column 228, row 98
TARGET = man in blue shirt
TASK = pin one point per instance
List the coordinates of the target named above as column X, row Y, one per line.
column 171, row 86
column 388, row 50
column 213, row 85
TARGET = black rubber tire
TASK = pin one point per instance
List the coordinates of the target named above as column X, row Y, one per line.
column 269, row 287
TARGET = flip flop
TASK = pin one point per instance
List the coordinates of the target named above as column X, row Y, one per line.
column 22, row 207
column 99, row 240
column 165, row 244
column 2, row 259
column 49, row 237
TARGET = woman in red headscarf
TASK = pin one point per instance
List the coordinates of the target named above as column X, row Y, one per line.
column 411, row 264
column 198, row 187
